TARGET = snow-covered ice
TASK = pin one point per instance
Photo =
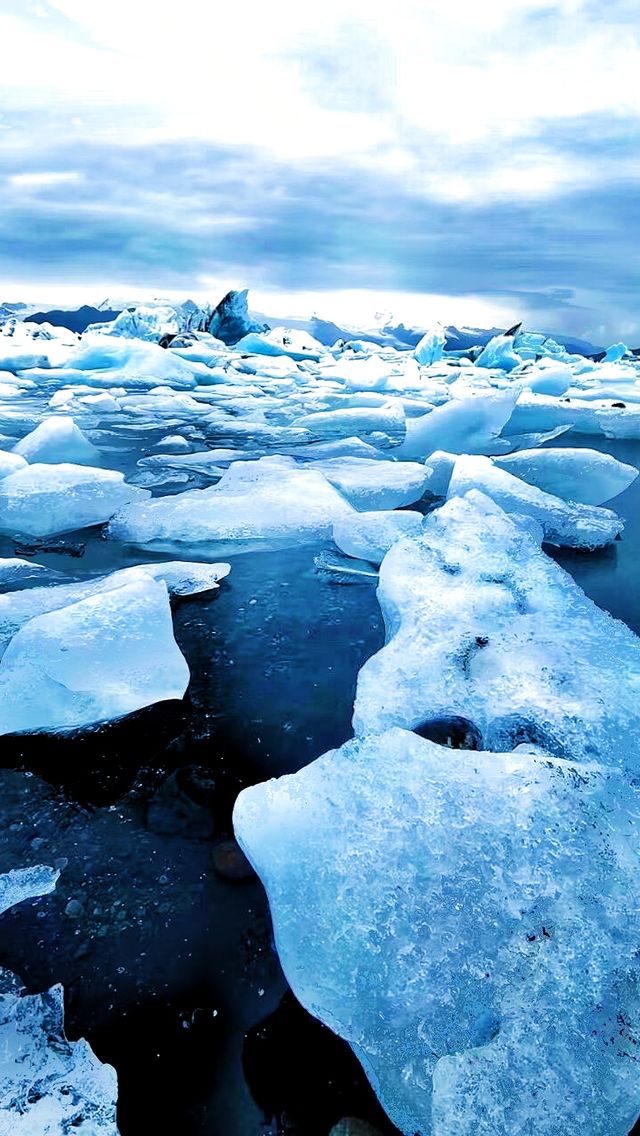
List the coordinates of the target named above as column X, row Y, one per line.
column 481, row 624
column 57, row 439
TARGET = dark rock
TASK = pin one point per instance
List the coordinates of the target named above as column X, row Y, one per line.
column 230, row 862
column 183, row 805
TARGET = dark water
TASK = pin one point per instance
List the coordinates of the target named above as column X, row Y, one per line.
column 168, row 967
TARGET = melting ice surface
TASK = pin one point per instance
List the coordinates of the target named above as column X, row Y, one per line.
column 466, row 919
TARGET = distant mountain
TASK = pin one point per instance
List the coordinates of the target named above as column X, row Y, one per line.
column 76, row 320
column 9, row 311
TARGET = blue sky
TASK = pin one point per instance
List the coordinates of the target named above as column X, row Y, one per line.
column 438, row 159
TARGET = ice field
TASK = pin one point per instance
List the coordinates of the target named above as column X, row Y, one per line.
column 366, row 613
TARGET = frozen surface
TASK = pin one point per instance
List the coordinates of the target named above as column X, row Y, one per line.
column 41, row 500
column 468, row 921
column 481, row 624
column 563, row 523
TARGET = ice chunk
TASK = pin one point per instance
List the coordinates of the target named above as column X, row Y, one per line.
column 281, row 341
column 41, row 500
column 369, row 484
column 549, row 377
column 129, row 362
column 564, row 523
column 483, row 625
column 57, row 439
column 499, row 353
column 586, row 476
column 181, row 577
column 26, row 883
column 231, row 320
column 430, row 349
column 616, row 352
column 97, row 659
column 386, row 423
column 468, row 922
column 9, row 463
column 369, row 536
column 462, row 426
column 270, row 500
column 14, row 573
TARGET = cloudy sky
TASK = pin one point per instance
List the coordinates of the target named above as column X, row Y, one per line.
column 439, row 159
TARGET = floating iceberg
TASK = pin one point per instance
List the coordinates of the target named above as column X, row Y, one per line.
column 270, row 500
column 430, row 349
column 499, row 353
column 57, row 439
column 481, row 624
column 384, row 424
column 183, row 578
column 564, row 523
column 585, row 476
column 461, row 426
column 41, row 500
column 9, row 463
column 94, row 660
column 369, row 484
column 369, row 536
column 469, row 923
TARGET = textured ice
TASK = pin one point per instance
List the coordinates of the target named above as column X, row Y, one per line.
column 386, row 422
column 582, row 475
column 469, row 922
column 96, row 659
column 57, row 439
column 26, row 883
column 269, row 500
column 281, row 341
column 9, row 463
column 369, row 536
column 15, row 572
column 462, row 426
column 483, row 625
column 370, row 484
column 48, row 1085
column 564, row 523
column 41, row 500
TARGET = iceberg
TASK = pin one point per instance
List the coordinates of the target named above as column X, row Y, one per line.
column 370, row 484
column 430, row 349
column 385, row 424
column 270, row 500
column 499, row 353
column 230, row 320
column 42, row 500
column 461, row 426
column 482, row 625
column 56, row 440
column 468, row 922
column 182, row 578
column 581, row 475
column 369, row 536
column 564, row 523
column 97, row 659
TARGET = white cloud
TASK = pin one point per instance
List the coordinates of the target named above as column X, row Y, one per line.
column 43, row 180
